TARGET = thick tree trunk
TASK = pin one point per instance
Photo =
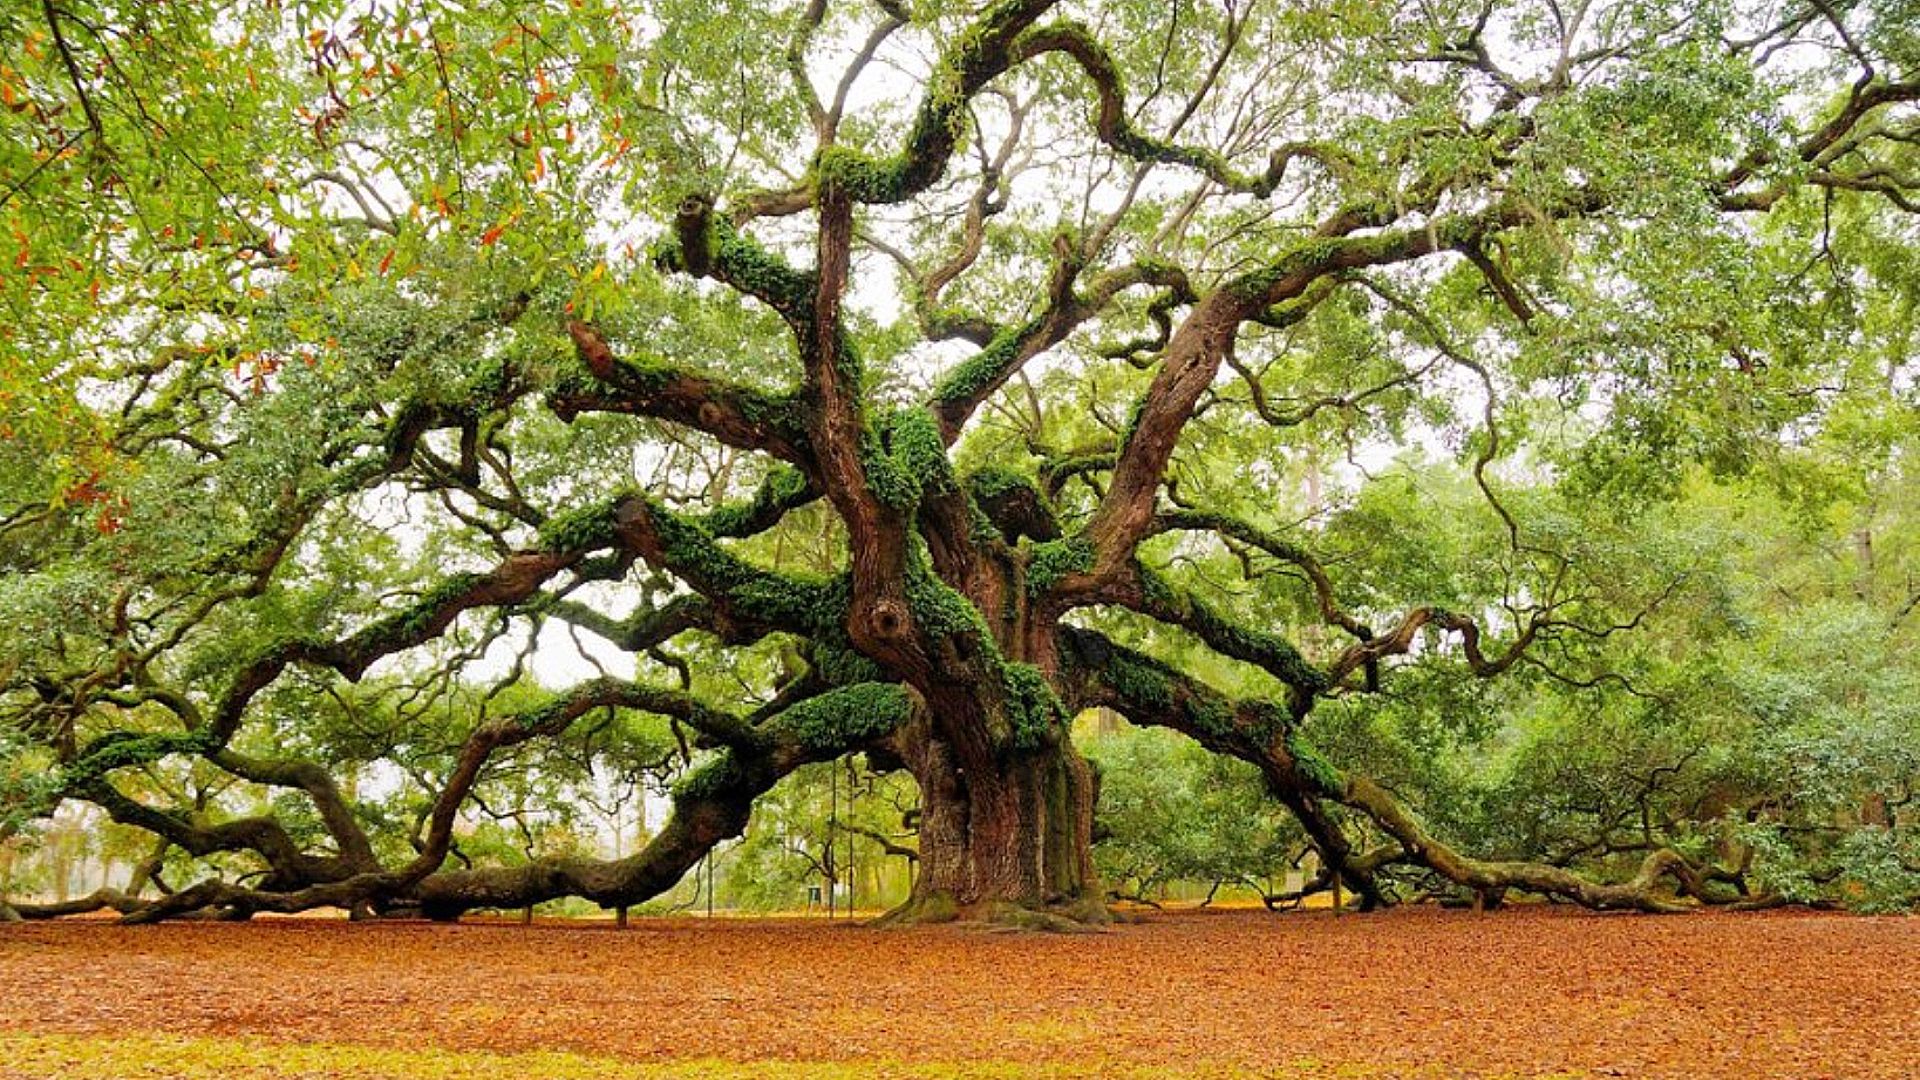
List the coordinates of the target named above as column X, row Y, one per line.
column 1010, row 844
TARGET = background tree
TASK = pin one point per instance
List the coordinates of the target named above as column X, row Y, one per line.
column 895, row 378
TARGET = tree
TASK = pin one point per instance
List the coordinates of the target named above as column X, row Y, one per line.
column 889, row 378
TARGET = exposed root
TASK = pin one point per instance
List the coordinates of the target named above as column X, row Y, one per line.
column 1088, row 914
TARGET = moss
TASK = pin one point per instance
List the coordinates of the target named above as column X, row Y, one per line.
column 840, row 719
column 1034, row 711
column 1077, row 463
column 1048, row 562
column 1139, row 681
column 582, row 529
column 1210, row 716
column 974, row 377
column 126, row 750
column 1227, row 637
column 736, row 259
column 905, row 457
column 835, row 661
column 861, row 177
column 417, row 620
column 994, row 482
column 708, row 779
column 1008, row 505
column 1314, row 767
column 939, row 609
column 783, row 489
column 791, row 601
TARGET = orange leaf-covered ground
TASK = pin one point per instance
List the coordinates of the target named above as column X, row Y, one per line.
column 1518, row 993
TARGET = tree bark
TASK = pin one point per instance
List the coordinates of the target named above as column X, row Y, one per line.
column 1011, row 844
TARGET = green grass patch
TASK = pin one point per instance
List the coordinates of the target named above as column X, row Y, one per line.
column 49, row 1056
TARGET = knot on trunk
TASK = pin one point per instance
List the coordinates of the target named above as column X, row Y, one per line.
column 887, row 619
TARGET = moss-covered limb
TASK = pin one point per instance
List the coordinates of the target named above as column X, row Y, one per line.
column 1232, row 528
column 513, row 580
column 840, row 719
column 975, row 58
column 1639, row 893
column 926, row 286
column 1012, row 503
column 736, row 415
column 128, row 750
column 648, row 627
column 736, row 589
column 548, row 718
column 961, row 390
column 559, row 711
column 1153, row 596
column 905, row 459
column 710, row 804
column 1333, row 249
column 1049, row 562
column 1139, row 351
column 783, row 491
column 705, row 244
column 1147, row 691
column 1114, row 124
column 1056, row 470
column 1101, row 672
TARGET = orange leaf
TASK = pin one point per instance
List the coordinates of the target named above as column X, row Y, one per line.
column 492, row 236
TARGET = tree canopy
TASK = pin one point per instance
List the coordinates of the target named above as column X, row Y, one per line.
column 1492, row 423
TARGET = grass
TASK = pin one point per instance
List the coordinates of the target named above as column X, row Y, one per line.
column 149, row 1056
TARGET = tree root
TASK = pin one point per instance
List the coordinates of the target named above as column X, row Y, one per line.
column 1085, row 915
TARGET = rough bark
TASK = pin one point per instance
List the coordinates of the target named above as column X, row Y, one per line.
column 1010, row 845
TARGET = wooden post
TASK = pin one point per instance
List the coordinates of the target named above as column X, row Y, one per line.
column 833, row 821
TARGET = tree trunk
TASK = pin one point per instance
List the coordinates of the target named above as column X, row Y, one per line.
column 1009, row 844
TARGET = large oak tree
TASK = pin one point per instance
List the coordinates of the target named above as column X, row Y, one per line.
column 880, row 377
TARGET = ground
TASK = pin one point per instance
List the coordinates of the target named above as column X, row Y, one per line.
column 1414, row 993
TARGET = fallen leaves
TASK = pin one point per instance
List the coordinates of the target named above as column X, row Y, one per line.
column 1522, row 993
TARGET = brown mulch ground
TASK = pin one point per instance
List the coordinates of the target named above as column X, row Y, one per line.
column 1526, row 991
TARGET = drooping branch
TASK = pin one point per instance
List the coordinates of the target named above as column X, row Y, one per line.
column 1101, row 672
column 1150, row 594
column 1229, row 527
column 1149, row 692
